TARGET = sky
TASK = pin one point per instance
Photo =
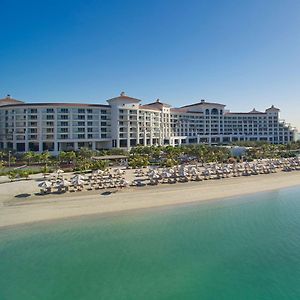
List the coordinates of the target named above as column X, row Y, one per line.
column 244, row 54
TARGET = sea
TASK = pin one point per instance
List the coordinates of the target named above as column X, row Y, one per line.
column 233, row 249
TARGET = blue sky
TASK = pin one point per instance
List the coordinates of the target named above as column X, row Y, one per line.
column 241, row 53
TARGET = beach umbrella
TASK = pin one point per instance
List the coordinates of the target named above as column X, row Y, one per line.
column 45, row 184
column 171, row 171
column 78, row 177
column 124, row 182
column 151, row 173
column 194, row 171
column 77, row 181
column 206, row 172
column 155, row 176
column 98, row 172
column 183, row 173
column 119, row 172
column 166, row 174
column 63, row 183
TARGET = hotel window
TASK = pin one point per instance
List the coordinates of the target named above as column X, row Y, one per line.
column 89, row 123
column 105, row 111
column 81, row 111
column 89, row 111
column 81, row 117
column 90, row 136
column 64, row 110
column 64, row 123
column 103, row 117
column 50, row 110
column 81, row 136
column 64, row 136
column 49, row 123
column 81, row 123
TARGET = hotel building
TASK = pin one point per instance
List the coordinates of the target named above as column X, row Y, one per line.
column 124, row 123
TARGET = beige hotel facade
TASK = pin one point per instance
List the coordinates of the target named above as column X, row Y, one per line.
column 125, row 122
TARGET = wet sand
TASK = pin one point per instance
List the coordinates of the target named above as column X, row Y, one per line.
column 28, row 207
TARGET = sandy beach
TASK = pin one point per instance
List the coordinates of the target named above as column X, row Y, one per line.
column 18, row 210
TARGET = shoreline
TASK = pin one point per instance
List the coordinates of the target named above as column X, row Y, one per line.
column 63, row 206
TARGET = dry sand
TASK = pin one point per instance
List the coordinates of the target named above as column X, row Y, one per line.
column 15, row 210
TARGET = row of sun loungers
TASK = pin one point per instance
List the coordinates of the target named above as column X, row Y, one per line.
column 98, row 180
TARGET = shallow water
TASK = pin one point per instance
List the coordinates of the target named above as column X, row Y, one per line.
column 241, row 248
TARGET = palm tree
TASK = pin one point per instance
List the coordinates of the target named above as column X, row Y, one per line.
column 139, row 161
column 70, row 157
column 29, row 156
column 62, row 156
column 85, row 153
column 99, row 164
column 67, row 157
column 45, row 159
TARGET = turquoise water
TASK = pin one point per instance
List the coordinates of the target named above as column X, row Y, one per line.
column 242, row 248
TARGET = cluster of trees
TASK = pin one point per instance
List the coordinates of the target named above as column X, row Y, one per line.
column 142, row 156
column 45, row 162
column 82, row 160
column 169, row 156
column 6, row 158
column 270, row 151
column 260, row 150
column 138, row 161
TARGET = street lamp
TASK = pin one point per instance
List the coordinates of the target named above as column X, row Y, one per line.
column 9, row 153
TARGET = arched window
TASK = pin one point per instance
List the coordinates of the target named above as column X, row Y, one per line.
column 207, row 111
column 214, row 111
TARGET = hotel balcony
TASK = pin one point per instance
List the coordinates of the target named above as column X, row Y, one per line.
column 33, row 137
column 20, row 138
column 48, row 136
